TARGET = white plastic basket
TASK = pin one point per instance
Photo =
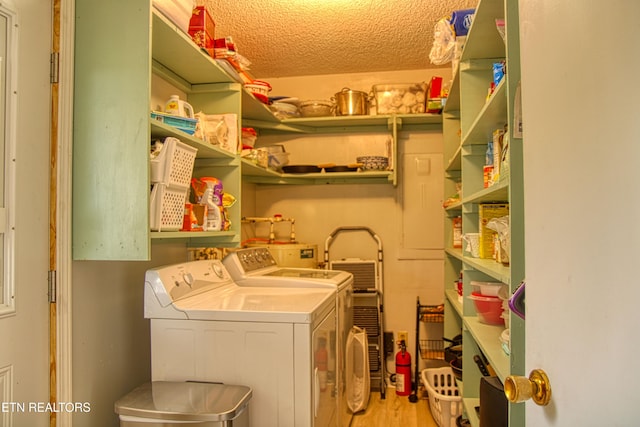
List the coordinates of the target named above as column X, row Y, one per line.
column 174, row 165
column 166, row 208
column 445, row 401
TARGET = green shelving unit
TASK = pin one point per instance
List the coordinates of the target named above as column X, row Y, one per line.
column 469, row 119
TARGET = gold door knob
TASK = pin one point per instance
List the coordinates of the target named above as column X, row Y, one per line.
column 536, row 387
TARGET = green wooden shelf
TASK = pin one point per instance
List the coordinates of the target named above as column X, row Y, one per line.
column 452, row 296
column 257, row 174
column 488, row 339
column 492, row 116
column 498, row 193
column 469, row 404
column 455, row 162
column 205, row 150
column 174, row 50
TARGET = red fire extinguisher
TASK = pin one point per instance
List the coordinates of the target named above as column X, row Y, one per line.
column 403, row 371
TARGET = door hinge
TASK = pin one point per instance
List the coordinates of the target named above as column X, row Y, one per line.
column 52, row 286
column 55, row 66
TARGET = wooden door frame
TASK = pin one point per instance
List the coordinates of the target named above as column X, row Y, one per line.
column 60, row 260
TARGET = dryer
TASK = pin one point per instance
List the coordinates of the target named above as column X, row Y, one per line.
column 279, row 341
column 255, row 267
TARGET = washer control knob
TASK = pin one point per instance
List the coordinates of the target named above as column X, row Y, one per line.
column 218, row 270
column 188, row 278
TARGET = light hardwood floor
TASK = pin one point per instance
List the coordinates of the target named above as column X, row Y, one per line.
column 394, row 411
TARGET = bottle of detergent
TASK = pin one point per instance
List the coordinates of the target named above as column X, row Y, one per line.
column 177, row 107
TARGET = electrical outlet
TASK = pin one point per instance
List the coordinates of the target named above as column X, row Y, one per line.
column 389, row 345
column 403, row 336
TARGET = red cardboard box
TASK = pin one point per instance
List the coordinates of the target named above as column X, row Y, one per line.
column 434, row 95
column 202, row 28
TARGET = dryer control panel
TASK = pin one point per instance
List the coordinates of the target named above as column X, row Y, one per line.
column 252, row 259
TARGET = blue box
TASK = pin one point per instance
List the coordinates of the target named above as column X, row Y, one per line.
column 461, row 21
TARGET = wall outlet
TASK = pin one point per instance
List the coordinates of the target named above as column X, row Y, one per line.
column 403, row 336
column 389, row 345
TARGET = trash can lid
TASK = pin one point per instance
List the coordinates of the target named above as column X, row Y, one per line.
column 185, row 401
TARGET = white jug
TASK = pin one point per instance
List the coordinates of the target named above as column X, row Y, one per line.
column 176, row 107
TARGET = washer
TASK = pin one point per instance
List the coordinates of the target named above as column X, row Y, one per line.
column 280, row 341
column 255, row 267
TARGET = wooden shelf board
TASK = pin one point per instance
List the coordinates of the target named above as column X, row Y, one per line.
column 487, row 337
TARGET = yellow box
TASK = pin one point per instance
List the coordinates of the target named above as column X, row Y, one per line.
column 486, row 212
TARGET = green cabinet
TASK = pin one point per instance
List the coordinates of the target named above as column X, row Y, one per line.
column 470, row 117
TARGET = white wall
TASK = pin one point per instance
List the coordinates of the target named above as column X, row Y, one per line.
column 111, row 347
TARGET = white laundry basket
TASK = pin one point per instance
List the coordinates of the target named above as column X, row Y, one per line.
column 445, row 401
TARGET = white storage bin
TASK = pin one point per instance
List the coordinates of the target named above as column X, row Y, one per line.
column 445, row 400
column 166, row 208
column 174, row 164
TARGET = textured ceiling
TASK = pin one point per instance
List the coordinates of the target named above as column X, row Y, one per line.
column 284, row 38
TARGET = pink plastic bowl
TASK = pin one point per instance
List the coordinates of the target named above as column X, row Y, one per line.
column 489, row 309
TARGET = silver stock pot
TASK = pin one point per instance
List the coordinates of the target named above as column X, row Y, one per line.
column 351, row 102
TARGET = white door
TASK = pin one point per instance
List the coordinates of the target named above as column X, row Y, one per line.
column 24, row 329
column 581, row 109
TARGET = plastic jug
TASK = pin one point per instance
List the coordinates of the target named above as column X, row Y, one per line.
column 177, row 107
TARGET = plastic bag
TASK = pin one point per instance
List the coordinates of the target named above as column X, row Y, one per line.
column 501, row 226
column 444, row 42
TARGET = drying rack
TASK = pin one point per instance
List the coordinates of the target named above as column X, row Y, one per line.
column 368, row 310
column 432, row 349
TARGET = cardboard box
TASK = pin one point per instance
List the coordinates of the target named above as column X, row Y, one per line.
column 486, row 212
column 434, row 95
column 202, row 29
column 194, row 217
column 457, row 231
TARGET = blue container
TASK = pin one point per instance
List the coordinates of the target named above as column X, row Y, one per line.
column 182, row 123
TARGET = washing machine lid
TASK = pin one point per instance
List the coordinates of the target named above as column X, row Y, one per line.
column 296, row 277
column 259, row 304
column 185, row 401
column 306, row 274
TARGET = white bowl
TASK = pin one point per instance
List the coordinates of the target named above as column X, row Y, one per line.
column 316, row 108
column 489, row 289
column 284, row 111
